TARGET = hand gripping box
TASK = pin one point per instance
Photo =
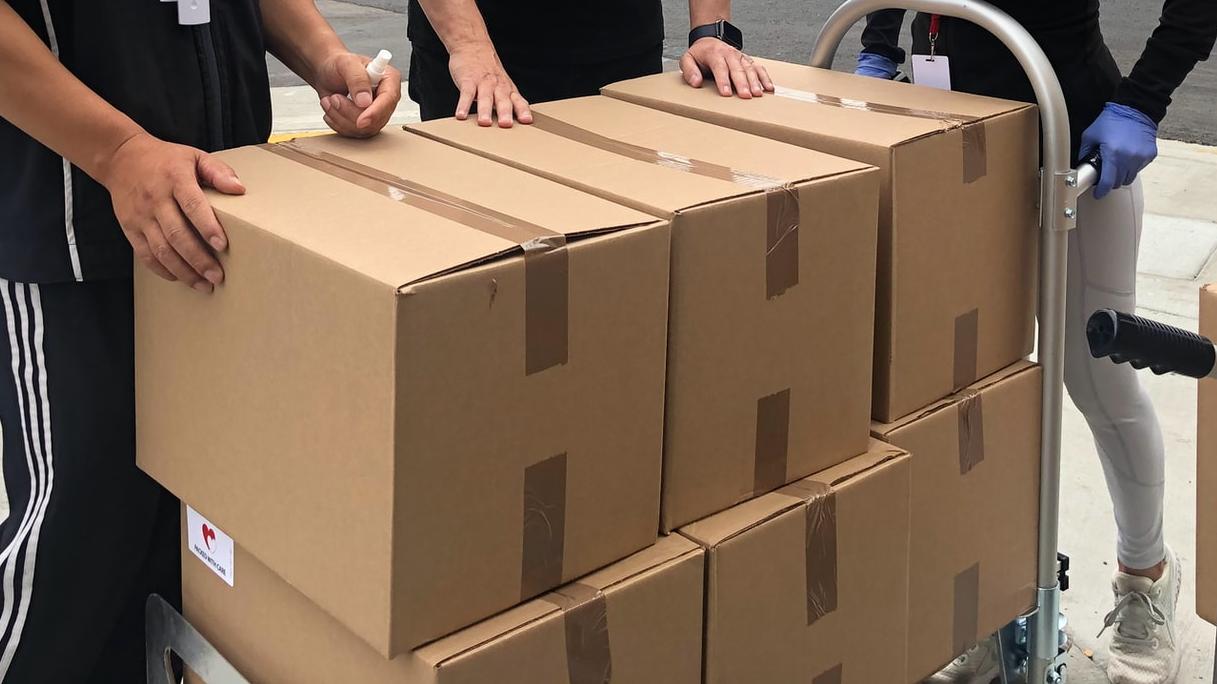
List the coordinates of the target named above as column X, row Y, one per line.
column 772, row 285
column 430, row 388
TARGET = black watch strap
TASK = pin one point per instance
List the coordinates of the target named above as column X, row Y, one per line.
column 722, row 30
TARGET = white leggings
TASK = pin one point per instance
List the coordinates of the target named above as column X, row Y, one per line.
column 1103, row 274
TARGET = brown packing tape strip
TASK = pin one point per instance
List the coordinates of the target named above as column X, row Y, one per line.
column 772, row 441
column 971, row 432
column 951, row 120
column 967, row 609
column 589, row 657
column 832, row 675
column 820, row 545
column 966, row 340
column 544, row 526
column 546, row 275
column 975, row 152
column 782, row 201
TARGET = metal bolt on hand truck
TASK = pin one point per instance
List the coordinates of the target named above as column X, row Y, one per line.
column 1060, row 187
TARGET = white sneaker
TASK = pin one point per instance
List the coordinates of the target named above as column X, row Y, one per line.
column 1143, row 647
column 978, row 665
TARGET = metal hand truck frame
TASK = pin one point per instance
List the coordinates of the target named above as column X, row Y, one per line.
column 1060, row 187
column 1040, row 660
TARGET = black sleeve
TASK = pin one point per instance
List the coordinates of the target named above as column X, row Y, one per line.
column 882, row 34
column 1184, row 36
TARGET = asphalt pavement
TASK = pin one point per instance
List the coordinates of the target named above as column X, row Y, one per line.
column 785, row 29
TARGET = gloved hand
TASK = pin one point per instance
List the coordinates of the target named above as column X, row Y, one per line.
column 1127, row 141
column 875, row 66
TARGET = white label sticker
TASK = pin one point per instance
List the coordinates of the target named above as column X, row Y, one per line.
column 209, row 544
column 193, row 12
column 933, row 72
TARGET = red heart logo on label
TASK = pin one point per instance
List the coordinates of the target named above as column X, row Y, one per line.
column 209, row 536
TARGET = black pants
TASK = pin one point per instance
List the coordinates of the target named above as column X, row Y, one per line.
column 432, row 88
column 88, row 535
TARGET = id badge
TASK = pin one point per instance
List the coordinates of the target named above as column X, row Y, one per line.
column 193, row 12
column 928, row 70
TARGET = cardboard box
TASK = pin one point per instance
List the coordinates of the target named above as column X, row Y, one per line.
column 1206, row 473
column 810, row 583
column 957, row 222
column 772, row 287
column 975, row 502
column 638, row 621
column 411, row 418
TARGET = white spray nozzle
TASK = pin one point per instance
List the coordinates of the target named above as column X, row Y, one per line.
column 376, row 68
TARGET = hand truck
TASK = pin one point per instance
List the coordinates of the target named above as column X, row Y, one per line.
column 1060, row 187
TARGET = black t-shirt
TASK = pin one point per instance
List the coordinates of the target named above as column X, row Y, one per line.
column 577, row 31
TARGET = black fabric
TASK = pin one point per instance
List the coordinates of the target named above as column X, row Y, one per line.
column 540, row 31
column 1069, row 33
column 88, row 536
column 134, row 55
column 432, row 88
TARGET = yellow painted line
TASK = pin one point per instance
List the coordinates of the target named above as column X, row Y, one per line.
column 283, row 137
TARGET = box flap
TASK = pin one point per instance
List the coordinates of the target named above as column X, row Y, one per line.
column 346, row 200
column 721, row 527
column 882, row 430
column 865, row 109
column 666, row 550
column 653, row 161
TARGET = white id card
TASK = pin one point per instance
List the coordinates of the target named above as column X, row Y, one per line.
column 193, row 12
column 934, row 72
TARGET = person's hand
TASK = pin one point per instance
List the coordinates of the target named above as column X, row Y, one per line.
column 481, row 78
column 875, row 66
column 729, row 67
column 156, row 189
column 1126, row 140
column 350, row 106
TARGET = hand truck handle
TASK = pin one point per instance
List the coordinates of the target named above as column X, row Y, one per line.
column 167, row 633
column 1143, row 343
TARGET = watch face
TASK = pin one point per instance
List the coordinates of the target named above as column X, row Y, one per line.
column 732, row 35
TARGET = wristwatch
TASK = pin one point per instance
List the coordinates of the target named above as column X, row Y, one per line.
column 722, row 30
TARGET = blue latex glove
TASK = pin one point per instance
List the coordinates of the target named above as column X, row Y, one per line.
column 1127, row 141
column 875, row 66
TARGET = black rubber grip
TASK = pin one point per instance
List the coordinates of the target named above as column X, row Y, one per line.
column 1143, row 343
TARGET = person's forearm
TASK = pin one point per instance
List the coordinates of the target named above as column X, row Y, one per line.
column 42, row 98
column 299, row 36
column 702, row 12
column 1185, row 35
column 458, row 23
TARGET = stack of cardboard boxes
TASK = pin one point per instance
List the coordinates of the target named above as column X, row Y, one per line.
column 458, row 380
column 1206, row 472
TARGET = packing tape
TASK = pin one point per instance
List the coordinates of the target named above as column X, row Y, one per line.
column 975, row 152
column 966, row 350
column 833, row 675
column 544, row 526
column 546, row 274
column 971, row 432
column 967, row 609
column 782, row 201
column 772, row 442
column 820, row 545
column 585, row 617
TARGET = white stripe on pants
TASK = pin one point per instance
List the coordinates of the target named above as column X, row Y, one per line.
column 1103, row 274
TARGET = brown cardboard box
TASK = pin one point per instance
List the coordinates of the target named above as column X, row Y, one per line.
column 638, row 621
column 1206, row 473
column 772, row 288
column 810, row 583
column 957, row 221
column 975, row 465
column 412, row 422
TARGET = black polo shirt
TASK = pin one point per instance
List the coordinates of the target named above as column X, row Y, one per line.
column 204, row 86
column 571, row 31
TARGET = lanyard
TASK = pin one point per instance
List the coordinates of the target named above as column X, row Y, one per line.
column 935, row 25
